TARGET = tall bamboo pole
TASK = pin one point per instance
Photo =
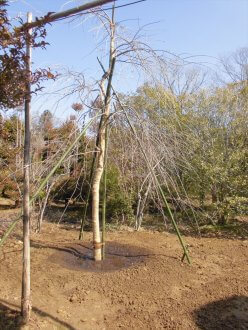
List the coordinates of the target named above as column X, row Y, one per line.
column 26, row 299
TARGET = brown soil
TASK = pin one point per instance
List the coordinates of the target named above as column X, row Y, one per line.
column 141, row 285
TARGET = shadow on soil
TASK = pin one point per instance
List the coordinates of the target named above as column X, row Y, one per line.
column 10, row 317
column 230, row 313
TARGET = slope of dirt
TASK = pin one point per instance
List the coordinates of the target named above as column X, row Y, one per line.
column 141, row 285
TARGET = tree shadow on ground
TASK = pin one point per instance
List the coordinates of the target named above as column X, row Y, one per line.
column 10, row 317
column 77, row 256
column 123, row 250
column 230, row 313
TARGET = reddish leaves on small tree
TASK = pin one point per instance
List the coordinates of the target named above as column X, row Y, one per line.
column 13, row 73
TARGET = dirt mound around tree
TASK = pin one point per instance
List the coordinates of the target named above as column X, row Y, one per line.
column 117, row 256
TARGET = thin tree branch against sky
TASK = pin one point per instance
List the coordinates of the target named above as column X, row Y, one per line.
column 189, row 27
column 206, row 27
column 79, row 10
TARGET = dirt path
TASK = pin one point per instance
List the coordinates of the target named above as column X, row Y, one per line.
column 141, row 285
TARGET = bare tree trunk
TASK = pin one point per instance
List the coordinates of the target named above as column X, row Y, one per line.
column 95, row 201
column 96, row 179
column 100, row 149
column 26, row 300
column 138, row 210
column 141, row 207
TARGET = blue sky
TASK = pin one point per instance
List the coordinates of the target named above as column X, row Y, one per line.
column 196, row 27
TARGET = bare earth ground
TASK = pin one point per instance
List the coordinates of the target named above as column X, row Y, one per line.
column 141, row 285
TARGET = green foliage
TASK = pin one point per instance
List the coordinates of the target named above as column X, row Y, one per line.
column 219, row 159
column 10, row 176
column 70, row 187
column 212, row 123
column 119, row 204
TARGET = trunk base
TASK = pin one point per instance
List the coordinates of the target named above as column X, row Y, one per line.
column 26, row 311
column 97, row 253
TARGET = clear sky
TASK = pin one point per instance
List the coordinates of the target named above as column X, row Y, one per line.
column 196, row 27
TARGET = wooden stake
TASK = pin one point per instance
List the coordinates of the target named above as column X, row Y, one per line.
column 26, row 299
